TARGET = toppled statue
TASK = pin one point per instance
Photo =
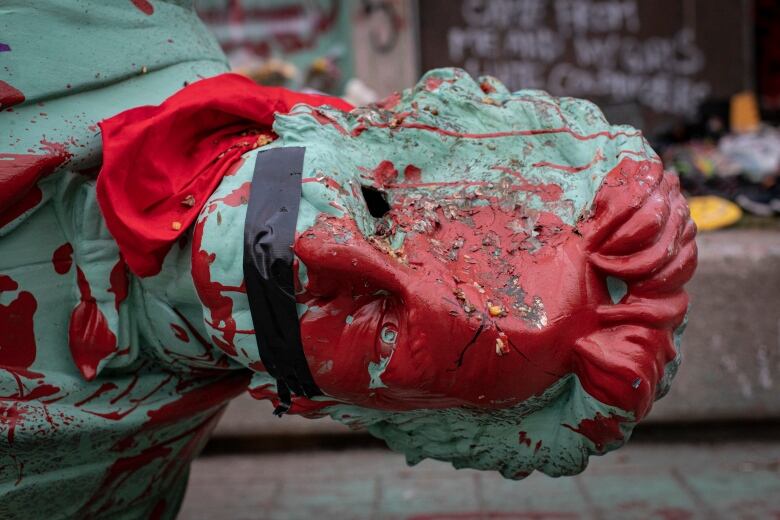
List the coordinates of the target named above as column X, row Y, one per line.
column 489, row 278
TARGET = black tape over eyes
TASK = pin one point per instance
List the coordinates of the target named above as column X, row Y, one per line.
column 269, row 234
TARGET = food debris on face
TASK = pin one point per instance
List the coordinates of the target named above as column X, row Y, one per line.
column 501, row 347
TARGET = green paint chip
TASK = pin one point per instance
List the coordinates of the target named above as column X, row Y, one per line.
column 375, row 371
column 617, row 288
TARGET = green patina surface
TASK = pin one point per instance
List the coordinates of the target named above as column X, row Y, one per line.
column 617, row 288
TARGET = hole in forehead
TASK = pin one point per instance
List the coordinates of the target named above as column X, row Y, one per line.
column 376, row 201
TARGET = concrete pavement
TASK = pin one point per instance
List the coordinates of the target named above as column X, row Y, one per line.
column 739, row 480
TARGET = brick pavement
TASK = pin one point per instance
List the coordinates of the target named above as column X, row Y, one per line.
column 644, row 480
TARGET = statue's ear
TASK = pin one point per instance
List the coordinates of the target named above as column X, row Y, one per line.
column 641, row 247
column 336, row 254
column 622, row 366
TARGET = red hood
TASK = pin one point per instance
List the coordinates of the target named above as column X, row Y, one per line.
column 161, row 163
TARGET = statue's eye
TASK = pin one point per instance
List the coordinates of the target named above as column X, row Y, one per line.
column 375, row 201
column 388, row 334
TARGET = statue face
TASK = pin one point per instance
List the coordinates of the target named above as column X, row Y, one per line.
column 445, row 246
column 474, row 308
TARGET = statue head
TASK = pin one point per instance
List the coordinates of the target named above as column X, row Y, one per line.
column 487, row 277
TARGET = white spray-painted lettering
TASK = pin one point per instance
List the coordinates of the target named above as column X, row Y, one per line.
column 586, row 48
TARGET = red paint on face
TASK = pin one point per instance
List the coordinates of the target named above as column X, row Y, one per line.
column 17, row 341
column 570, row 169
column 144, row 6
column 433, row 83
column 384, row 173
column 89, row 336
column 62, row 259
column 120, row 284
column 600, row 430
column 412, row 173
column 489, row 135
column 488, row 305
column 486, row 87
column 9, row 95
column 430, row 300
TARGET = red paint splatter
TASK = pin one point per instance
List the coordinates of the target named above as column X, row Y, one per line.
column 55, row 149
column 41, row 391
column 10, row 416
column 390, row 102
column 487, row 87
column 18, row 177
column 63, row 258
column 433, row 82
column 238, row 197
column 31, row 199
column 200, row 399
column 385, row 173
column 120, row 284
column 180, row 333
column 128, row 388
column 600, row 430
column 325, row 119
column 412, row 174
column 494, row 135
column 144, row 6
column 211, row 294
column 17, row 341
column 240, row 162
column 105, row 387
column 570, row 169
column 524, row 439
column 89, row 336
column 548, row 192
column 9, row 96
column 118, row 415
column 330, row 182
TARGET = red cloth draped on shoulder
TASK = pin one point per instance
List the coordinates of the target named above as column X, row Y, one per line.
column 161, row 163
